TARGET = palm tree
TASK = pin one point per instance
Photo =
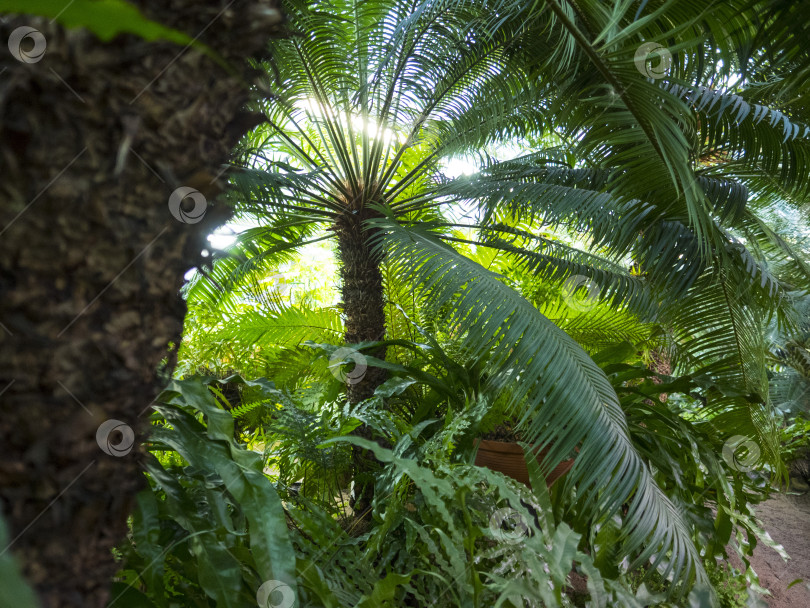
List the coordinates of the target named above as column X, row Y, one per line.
column 662, row 178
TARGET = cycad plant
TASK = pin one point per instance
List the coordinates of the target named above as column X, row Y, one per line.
column 659, row 171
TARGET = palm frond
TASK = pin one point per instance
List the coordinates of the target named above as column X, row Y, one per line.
column 562, row 397
column 728, row 349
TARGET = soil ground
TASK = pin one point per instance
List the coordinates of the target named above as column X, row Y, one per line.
column 787, row 519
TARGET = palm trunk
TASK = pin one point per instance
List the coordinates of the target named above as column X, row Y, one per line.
column 94, row 139
column 364, row 308
column 660, row 364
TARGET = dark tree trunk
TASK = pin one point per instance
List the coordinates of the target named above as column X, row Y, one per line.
column 363, row 298
column 364, row 308
column 94, row 139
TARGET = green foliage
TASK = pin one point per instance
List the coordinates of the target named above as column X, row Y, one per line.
column 654, row 191
column 730, row 585
column 293, row 447
column 563, row 399
column 105, row 18
column 449, row 532
column 796, row 439
column 14, row 591
column 689, row 464
column 212, row 527
column 208, row 531
column 789, row 359
column 661, row 193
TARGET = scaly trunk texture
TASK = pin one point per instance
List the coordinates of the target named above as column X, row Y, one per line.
column 660, row 364
column 364, row 307
column 94, row 139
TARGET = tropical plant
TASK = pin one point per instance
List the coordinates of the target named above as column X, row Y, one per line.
column 212, row 524
column 213, row 527
column 790, row 366
column 661, row 179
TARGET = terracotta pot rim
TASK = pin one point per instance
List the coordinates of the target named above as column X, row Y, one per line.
column 508, row 457
column 494, row 445
column 505, row 447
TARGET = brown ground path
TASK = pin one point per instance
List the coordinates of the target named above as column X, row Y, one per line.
column 787, row 519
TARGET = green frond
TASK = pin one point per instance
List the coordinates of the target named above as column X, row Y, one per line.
column 556, row 261
column 601, row 327
column 286, row 328
column 562, row 397
column 728, row 348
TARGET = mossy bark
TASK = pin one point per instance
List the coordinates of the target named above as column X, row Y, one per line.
column 94, row 138
column 364, row 308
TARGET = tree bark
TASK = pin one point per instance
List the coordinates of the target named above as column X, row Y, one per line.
column 364, row 309
column 660, row 364
column 94, row 139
